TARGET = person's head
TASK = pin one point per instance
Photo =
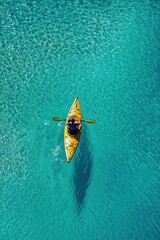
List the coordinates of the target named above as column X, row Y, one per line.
column 73, row 120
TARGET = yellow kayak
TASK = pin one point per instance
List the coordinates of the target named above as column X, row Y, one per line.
column 71, row 141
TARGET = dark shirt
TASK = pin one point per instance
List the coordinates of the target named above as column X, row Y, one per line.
column 73, row 126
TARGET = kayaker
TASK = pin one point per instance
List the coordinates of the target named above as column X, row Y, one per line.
column 73, row 127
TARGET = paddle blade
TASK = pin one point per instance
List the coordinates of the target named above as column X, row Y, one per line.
column 57, row 119
column 90, row 121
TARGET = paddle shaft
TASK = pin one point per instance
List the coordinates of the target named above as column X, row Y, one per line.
column 62, row 119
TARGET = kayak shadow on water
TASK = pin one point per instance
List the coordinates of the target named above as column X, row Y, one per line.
column 82, row 170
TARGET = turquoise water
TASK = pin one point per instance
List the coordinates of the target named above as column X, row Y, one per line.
column 108, row 54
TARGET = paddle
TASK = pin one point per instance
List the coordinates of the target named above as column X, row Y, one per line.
column 62, row 119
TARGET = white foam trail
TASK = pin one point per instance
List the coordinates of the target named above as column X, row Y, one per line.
column 46, row 122
column 57, row 153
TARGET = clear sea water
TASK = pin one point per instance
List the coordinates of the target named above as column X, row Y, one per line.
column 108, row 54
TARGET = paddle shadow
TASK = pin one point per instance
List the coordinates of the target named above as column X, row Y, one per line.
column 82, row 170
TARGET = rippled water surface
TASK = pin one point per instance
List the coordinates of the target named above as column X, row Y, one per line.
column 108, row 54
